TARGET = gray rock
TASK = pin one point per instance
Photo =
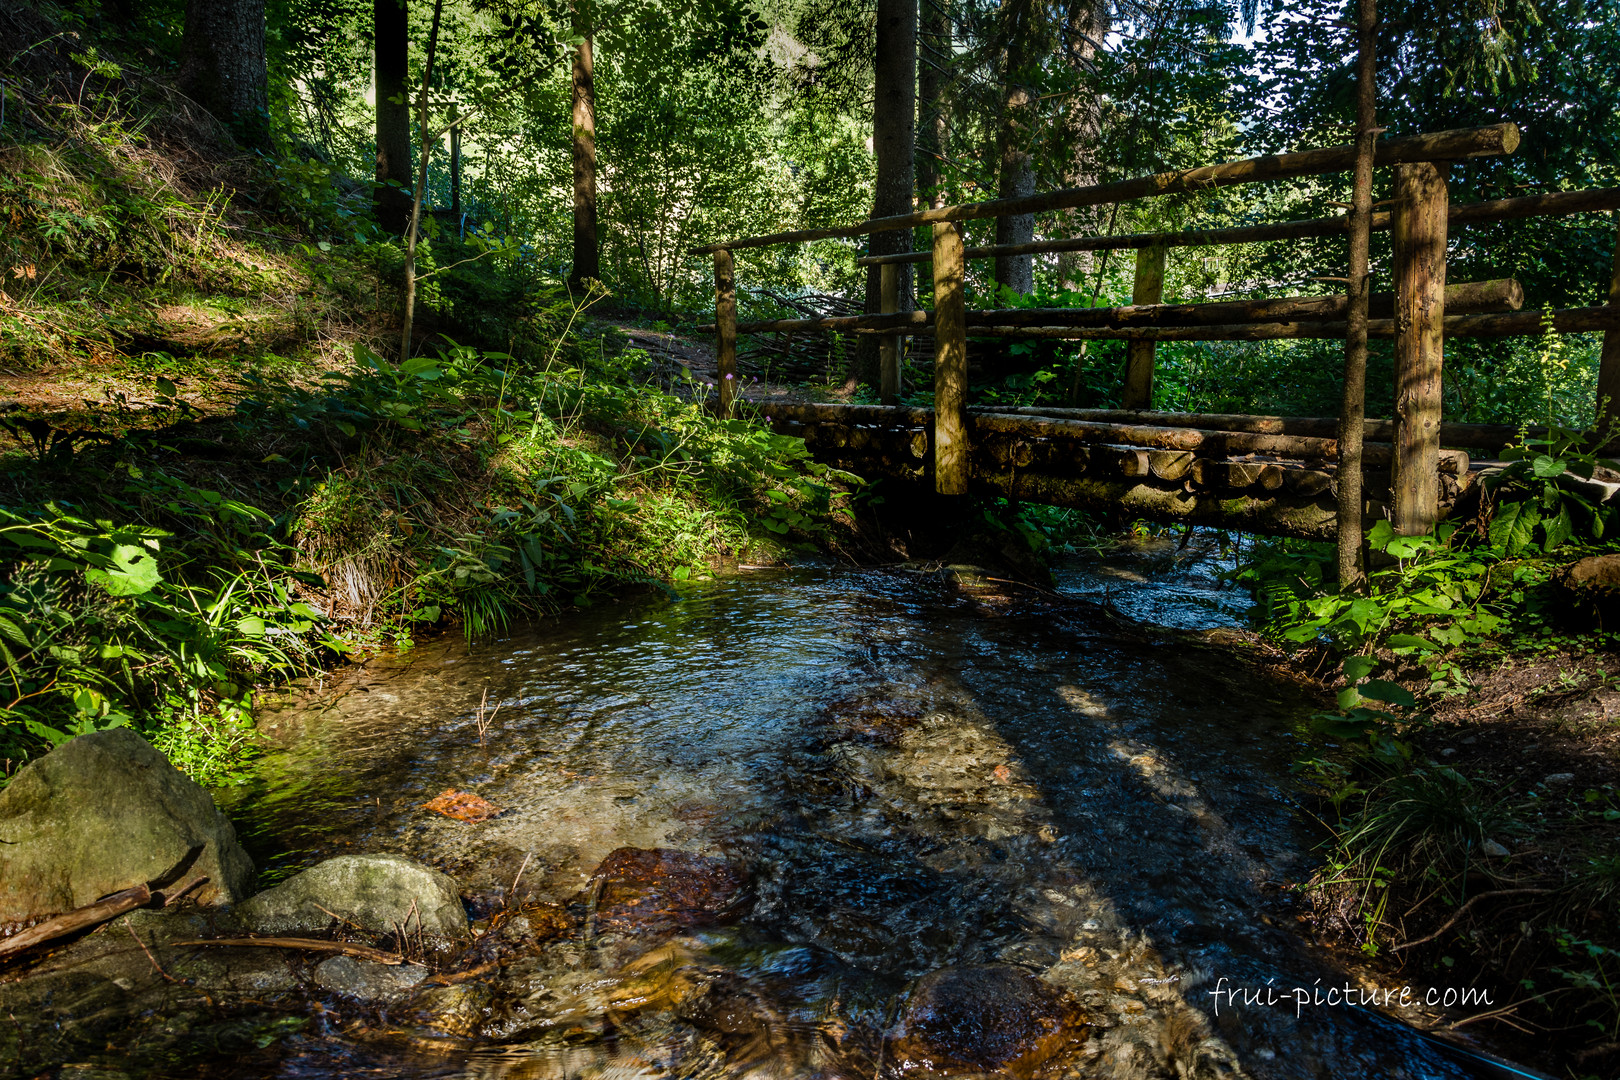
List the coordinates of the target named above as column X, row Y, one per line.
column 367, row 979
column 101, row 813
column 374, row 892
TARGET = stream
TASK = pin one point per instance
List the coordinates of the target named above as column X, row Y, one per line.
column 875, row 821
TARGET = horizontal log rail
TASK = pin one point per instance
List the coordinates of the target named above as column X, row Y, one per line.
column 1552, row 204
column 1011, row 419
column 1455, row 145
column 1476, row 296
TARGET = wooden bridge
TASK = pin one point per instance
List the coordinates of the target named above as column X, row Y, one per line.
column 1273, row 475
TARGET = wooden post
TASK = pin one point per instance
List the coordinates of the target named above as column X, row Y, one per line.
column 1608, row 386
column 889, row 351
column 1420, row 299
column 950, row 363
column 1353, row 405
column 1147, row 289
column 725, row 323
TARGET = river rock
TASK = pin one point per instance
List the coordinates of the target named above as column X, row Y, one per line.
column 374, row 892
column 367, row 979
column 995, row 1018
column 101, row 813
column 1592, row 588
column 646, row 888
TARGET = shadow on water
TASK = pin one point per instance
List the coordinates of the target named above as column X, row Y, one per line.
column 914, row 780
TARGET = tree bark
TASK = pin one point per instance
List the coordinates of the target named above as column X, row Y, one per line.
column 950, row 364
column 412, row 232
column 1608, row 385
column 1015, row 177
column 1420, row 289
column 222, row 65
column 933, row 111
column 587, row 250
column 1353, row 410
column 1147, row 288
column 1086, row 27
column 392, row 201
column 894, row 144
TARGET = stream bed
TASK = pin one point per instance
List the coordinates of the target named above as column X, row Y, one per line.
column 829, row 822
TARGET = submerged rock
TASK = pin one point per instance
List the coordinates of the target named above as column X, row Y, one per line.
column 378, row 893
column 104, row 812
column 367, row 979
column 644, row 888
column 995, row 1018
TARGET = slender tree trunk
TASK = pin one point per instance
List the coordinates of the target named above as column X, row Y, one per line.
column 428, row 142
column 222, row 65
column 933, row 116
column 392, row 201
column 587, row 252
column 1353, row 413
column 1087, row 25
column 1016, row 170
column 894, row 142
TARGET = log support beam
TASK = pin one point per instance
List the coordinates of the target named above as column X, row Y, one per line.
column 951, row 465
column 1420, row 301
column 1148, row 288
column 889, row 350
column 725, row 321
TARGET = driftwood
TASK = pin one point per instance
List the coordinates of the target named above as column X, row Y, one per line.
column 1436, row 146
column 1552, row 204
column 81, row 918
column 359, row 952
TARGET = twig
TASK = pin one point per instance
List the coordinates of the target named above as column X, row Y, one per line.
column 513, row 890
column 1449, row 923
column 360, row 952
column 156, row 966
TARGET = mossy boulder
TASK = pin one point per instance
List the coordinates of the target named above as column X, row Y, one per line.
column 101, row 813
column 378, row 893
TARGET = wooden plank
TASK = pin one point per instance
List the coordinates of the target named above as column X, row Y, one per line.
column 1551, row 204
column 1455, row 145
column 889, row 350
column 1147, row 289
column 725, row 320
column 1419, row 265
column 951, row 465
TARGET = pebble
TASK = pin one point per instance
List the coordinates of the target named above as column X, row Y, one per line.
column 1560, row 778
column 1493, row 849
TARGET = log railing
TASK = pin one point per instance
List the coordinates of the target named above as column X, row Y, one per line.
column 1418, row 314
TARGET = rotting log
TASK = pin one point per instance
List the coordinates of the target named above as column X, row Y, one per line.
column 1504, row 294
column 725, row 318
column 950, row 363
column 1455, row 145
column 1551, row 204
column 1146, row 289
column 1419, row 265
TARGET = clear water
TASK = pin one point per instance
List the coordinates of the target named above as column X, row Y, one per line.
column 914, row 779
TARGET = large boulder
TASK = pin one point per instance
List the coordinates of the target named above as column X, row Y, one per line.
column 995, row 1018
column 378, row 893
column 104, row 812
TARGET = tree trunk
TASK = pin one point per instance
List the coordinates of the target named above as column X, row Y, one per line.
column 420, row 188
column 1086, row 27
column 933, row 116
column 894, row 142
column 587, row 253
column 392, row 201
column 1016, row 170
column 222, row 65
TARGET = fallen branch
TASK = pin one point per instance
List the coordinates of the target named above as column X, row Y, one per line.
column 359, row 952
column 1460, row 912
column 81, row 918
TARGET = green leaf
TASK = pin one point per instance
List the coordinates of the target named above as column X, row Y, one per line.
column 1357, row 668
column 1382, row 690
column 1348, row 697
column 134, row 571
column 1411, row 641
column 1547, row 467
column 1380, row 535
column 251, row 625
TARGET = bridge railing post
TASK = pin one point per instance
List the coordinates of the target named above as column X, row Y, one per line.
column 1419, row 230
column 725, row 324
column 1148, row 288
column 889, row 350
column 950, row 362
column 1608, row 385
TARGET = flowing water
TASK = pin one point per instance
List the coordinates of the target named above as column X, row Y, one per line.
column 907, row 777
